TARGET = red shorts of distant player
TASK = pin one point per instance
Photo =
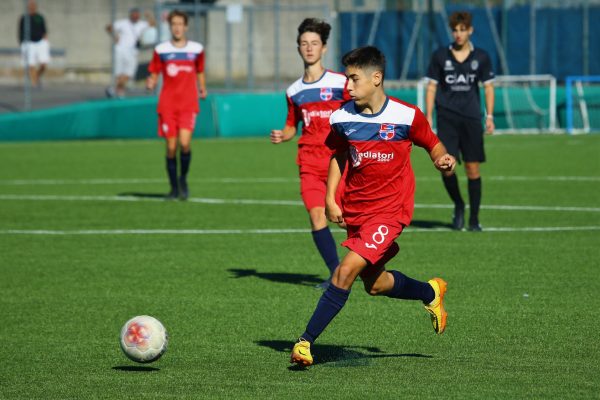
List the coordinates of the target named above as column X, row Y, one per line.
column 375, row 242
column 313, row 188
column 169, row 123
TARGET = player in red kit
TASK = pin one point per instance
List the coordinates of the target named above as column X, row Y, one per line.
column 312, row 99
column 181, row 63
column 374, row 134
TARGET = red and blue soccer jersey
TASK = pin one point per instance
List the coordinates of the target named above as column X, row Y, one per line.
column 179, row 67
column 380, row 184
column 312, row 103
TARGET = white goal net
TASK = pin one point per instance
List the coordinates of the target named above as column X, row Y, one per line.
column 523, row 103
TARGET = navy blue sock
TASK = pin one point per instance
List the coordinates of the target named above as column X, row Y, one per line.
column 451, row 185
column 185, row 159
column 172, row 172
column 474, row 200
column 330, row 304
column 410, row 289
column 327, row 247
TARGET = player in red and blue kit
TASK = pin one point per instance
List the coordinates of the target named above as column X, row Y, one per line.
column 312, row 99
column 374, row 135
column 181, row 63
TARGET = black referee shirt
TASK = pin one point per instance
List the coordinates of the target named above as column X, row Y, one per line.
column 458, row 83
column 37, row 26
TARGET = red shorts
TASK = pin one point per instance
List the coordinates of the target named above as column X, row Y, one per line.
column 313, row 188
column 375, row 242
column 169, row 123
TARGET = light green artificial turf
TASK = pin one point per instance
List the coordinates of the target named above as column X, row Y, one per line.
column 522, row 304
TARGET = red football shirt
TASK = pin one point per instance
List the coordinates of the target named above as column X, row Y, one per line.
column 179, row 66
column 380, row 181
column 313, row 103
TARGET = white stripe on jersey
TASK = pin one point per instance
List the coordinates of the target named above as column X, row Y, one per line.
column 190, row 47
column 394, row 113
column 328, row 80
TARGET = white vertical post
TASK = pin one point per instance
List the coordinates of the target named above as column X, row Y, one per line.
column 420, row 94
column 27, row 47
column 553, row 104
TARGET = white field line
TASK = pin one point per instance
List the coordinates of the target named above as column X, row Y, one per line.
column 33, row 197
column 128, row 181
column 263, row 231
column 51, row 197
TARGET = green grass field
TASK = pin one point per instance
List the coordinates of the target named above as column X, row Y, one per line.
column 85, row 244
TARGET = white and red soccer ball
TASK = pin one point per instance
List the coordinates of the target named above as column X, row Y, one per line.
column 144, row 339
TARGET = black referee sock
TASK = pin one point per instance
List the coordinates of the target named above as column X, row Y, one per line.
column 172, row 173
column 474, row 200
column 185, row 159
column 451, row 184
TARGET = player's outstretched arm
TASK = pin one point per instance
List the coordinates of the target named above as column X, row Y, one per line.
column 333, row 212
column 283, row 135
column 151, row 81
column 489, row 106
column 202, row 85
column 430, row 101
column 441, row 159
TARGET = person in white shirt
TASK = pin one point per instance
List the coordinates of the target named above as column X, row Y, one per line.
column 126, row 34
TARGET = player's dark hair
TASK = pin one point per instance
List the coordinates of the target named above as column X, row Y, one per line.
column 460, row 17
column 364, row 58
column 177, row 13
column 315, row 25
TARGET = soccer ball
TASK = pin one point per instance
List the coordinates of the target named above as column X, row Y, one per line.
column 144, row 339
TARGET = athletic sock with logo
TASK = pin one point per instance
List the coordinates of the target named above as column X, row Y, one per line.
column 172, row 173
column 327, row 248
column 185, row 159
column 451, row 185
column 330, row 304
column 410, row 289
column 474, row 200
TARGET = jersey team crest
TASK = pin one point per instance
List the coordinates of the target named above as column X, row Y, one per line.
column 326, row 94
column 386, row 131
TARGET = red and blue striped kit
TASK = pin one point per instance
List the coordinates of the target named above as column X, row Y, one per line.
column 380, row 180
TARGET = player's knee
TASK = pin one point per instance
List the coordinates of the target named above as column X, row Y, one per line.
column 374, row 289
column 344, row 276
column 171, row 152
column 473, row 174
column 317, row 218
column 472, row 170
column 185, row 147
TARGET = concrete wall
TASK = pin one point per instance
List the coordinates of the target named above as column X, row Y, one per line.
column 77, row 26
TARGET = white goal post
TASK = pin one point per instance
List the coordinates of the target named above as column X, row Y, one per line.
column 582, row 103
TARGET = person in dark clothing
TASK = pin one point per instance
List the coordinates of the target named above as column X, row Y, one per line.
column 454, row 75
column 35, row 47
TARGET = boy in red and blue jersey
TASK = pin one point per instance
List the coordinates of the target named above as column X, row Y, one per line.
column 311, row 100
column 374, row 135
column 181, row 63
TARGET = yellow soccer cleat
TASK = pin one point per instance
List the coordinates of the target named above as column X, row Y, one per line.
column 301, row 353
column 436, row 307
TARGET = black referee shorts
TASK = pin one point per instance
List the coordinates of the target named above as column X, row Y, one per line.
column 463, row 137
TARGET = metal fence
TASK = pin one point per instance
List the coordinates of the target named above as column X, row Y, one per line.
column 252, row 46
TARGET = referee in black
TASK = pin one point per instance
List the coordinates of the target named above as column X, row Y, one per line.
column 457, row 71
